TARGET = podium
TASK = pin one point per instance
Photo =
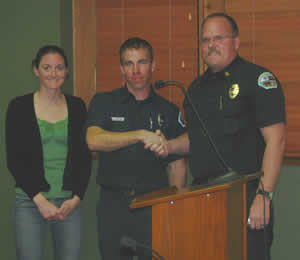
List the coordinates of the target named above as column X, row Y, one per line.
column 200, row 222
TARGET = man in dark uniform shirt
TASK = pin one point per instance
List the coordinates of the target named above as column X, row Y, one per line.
column 120, row 124
column 242, row 107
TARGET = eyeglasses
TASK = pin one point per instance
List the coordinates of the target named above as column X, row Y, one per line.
column 218, row 38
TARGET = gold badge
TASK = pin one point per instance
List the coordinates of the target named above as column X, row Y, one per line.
column 234, row 91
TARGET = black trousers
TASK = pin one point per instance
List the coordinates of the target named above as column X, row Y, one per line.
column 259, row 242
column 116, row 220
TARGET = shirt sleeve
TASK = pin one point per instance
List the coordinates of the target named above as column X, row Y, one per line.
column 98, row 111
column 177, row 128
column 269, row 101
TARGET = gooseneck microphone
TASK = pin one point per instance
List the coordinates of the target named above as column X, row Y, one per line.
column 134, row 246
column 230, row 173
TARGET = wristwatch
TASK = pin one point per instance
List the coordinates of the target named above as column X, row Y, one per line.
column 266, row 194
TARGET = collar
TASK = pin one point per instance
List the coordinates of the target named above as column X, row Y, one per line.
column 208, row 74
column 126, row 96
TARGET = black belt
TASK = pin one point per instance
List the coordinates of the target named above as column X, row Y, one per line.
column 127, row 190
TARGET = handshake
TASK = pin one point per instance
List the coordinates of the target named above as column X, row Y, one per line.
column 155, row 142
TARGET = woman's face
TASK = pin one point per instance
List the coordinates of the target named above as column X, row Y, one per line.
column 52, row 71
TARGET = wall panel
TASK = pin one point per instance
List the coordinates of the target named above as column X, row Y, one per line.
column 270, row 36
column 269, row 31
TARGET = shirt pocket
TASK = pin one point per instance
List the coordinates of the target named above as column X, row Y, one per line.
column 119, row 122
column 237, row 115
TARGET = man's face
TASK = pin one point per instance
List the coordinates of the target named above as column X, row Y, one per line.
column 137, row 69
column 218, row 45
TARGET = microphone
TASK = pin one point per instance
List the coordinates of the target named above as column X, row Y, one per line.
column 230, row 173
column 135, row 246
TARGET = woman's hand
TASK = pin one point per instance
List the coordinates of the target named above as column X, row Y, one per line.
column 47, row 209
column 68, row 207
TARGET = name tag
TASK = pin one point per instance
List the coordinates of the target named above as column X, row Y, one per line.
column 118, row 119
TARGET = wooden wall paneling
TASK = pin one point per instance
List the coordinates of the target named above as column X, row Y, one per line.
column 243, row 12
column 85, row 48
column 110, row 23
column 277, row 48
column 269, row 32
column 213, row 6
column 183, row 46
column 150, row 20
column 270, row 36
column 166, row 24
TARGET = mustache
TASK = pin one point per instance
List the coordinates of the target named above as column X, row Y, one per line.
column 213, row 50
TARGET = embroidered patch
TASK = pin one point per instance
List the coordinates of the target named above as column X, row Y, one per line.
column 234, row 91
column 267, row 80
column 180, row 121
column 117, row 119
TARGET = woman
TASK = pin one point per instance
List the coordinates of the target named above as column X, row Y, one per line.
column 49, row 160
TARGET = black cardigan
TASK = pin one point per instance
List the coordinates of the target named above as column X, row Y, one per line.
column 24, row 147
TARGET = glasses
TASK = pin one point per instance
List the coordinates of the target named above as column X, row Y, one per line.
column 216, row 39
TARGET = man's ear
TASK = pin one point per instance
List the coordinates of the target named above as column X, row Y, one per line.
column 153, row 65
column 237, row 43
column 122, row 69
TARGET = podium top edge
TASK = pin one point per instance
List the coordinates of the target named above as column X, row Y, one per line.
column 172, row 193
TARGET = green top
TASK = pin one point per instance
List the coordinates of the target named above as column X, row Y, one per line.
column 55, row 147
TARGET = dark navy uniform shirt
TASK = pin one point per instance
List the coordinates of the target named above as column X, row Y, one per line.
column 234, row 104
column 134, row 166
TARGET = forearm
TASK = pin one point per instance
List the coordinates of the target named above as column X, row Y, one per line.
column 179, row 145
column 275, row 144
column 177, row 176
column 107, row 141
column 271, row 163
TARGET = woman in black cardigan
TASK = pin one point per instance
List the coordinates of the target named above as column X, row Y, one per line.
column 49, row 160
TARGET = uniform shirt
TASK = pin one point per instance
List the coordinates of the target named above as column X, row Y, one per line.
column 133, row 166
column 233, row 104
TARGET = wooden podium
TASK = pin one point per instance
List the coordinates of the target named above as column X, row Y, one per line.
column 202, row 222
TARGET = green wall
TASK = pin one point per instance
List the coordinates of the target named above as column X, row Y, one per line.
column 25, row 26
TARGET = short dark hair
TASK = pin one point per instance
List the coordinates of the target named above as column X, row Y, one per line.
column 136, row 43
column 46, row 50
column 234, row 26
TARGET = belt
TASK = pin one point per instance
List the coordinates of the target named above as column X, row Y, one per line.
column 127, row 191
column 133, row 190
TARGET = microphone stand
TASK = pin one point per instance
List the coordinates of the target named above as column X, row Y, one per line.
column 132, row 244
column 230, row 173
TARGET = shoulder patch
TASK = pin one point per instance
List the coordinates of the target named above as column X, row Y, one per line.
column 267, row 80
column 180, row 121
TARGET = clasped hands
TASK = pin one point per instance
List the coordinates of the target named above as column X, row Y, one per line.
column 50, row 211
column 156, row 142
